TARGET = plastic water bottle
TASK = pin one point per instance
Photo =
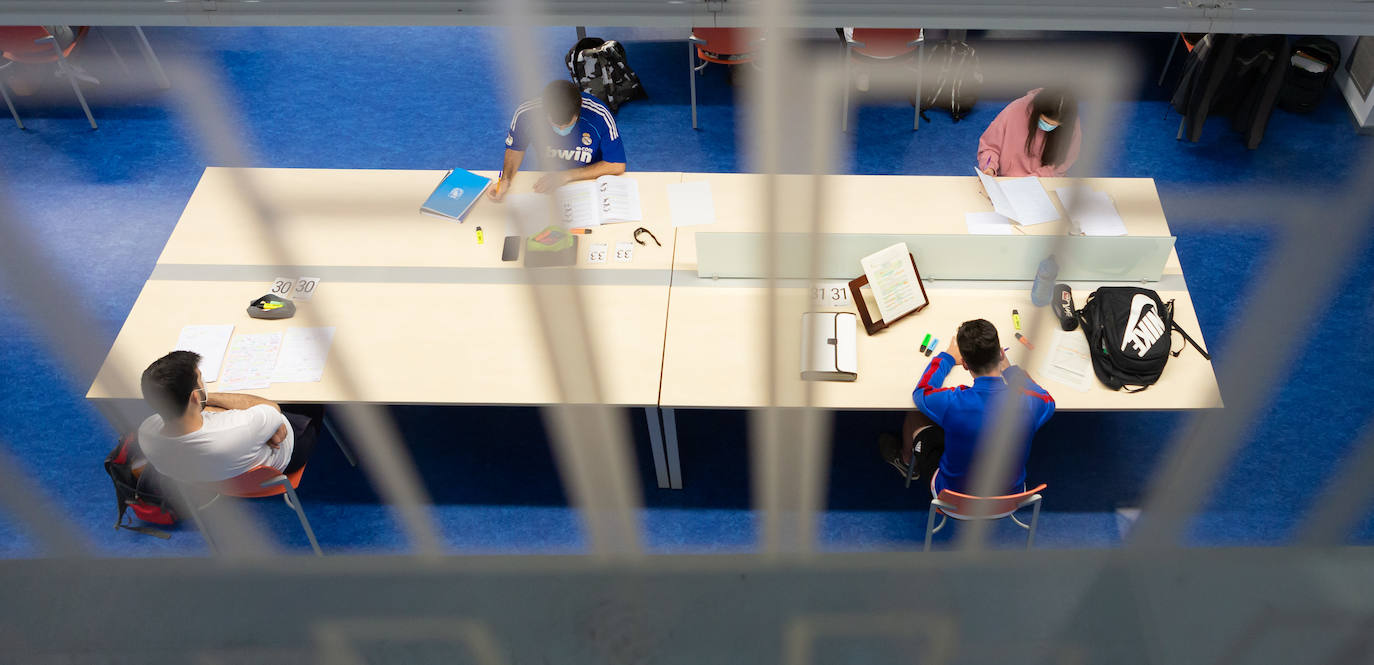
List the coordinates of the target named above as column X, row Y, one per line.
column 1042, row 290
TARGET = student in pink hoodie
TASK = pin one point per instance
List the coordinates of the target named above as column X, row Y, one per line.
column 1035, row 135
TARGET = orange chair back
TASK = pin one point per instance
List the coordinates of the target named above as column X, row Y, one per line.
column 248, row 485
column 966, row 506
column 19, row 43
column 725, row 41
column 885, row 42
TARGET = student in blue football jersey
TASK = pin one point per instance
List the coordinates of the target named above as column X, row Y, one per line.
column 572, row 135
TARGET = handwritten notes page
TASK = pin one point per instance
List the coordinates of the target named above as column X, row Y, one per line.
column 303, row 355
column 250, row 361
column 892, row 277
column 1067, row 361
column 210, row 342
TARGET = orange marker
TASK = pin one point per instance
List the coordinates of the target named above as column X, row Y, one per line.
column 1022, row 339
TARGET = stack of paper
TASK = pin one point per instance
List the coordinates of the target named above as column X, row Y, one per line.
column 1092, row 211
column 250, row 361
column 690, row 203
column 208, row 341
column 988, row 224
column 1020, row 199
column 303, row 355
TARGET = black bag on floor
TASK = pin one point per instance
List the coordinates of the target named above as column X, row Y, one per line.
column 1311, row 66
column 1129, row 331
column 599, row 68
column 138, row 489
column 952, row 77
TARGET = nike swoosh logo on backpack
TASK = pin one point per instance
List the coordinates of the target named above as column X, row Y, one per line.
column 1143, row 327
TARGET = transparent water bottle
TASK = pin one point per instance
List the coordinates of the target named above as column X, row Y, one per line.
column 1042, row 290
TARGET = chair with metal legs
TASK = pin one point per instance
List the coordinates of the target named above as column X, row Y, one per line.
column 882, row 44
column 35, row 45
column 966, row 507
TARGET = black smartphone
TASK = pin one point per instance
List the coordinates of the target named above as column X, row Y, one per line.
column 511, row 250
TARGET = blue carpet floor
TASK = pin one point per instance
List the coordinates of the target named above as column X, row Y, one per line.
column 100, row 204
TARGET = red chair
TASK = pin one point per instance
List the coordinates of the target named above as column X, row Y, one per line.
column 723, row 46
column 35, row 45
column 882, row 44
column 965, row 507
column 258, row 482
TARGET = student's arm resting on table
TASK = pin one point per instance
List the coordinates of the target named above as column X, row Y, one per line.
column 1042, row 404
column 991, row 143
column 556, row 179
column 238, row 402
column 517, row 140
column 928, row 395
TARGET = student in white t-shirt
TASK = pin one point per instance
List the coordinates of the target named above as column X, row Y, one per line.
column 202, row 437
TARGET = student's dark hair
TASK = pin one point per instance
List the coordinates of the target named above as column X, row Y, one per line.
column 1060, row 106
column 169, row 381
column 562, row 101
column 978, row 344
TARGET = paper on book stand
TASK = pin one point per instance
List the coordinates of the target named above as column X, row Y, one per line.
column 1022, row 200
column 208, row 341
column 303, row 355
column 896, row 284
column 1067, row 361
column 690, row 203
column 250, row 361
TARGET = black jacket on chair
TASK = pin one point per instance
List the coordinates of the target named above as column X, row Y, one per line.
column 1233, row 75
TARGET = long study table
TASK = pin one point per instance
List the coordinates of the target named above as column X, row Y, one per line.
column 426, row 315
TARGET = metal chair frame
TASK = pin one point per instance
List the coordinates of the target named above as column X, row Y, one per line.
column 849, row 45
column 693, row 69
column 945, row 509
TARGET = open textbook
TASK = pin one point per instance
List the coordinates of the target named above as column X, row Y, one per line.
column 606, row 200
column 1022, row 200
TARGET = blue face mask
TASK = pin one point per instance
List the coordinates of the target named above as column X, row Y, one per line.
column 564, row 131
column 1045, row 126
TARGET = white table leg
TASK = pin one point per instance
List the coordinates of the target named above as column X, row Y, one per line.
column 670, row 439
column 656, row 444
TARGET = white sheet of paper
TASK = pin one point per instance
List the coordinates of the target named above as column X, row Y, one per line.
column 1030, row 201
column 303, row 355
column 250, row 361
column 690, row 203
column 893, row 280
column 988, row 224
column 597, row 253
column 210, row 342
column 999, row 200
column 624, row 252
column 1092, row 211
column 305, row 288
column 618, row 198
column 1067, row 361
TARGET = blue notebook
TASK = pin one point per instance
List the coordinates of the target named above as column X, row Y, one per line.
column 454, row 196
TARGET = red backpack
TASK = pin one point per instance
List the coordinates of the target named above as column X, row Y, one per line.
column 138, row 491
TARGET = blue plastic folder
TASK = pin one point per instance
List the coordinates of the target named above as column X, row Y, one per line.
column 454, row 196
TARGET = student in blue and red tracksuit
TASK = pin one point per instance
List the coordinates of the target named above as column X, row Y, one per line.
column 572, row 135
column 962, row 412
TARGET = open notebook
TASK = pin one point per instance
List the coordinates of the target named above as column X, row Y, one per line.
column 606, row 200
column 1022, row 200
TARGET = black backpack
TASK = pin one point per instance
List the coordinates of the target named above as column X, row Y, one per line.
column 599, row 68
column 1129, row 331
column 957, row 79
column 140, row 493
column 1303, row 88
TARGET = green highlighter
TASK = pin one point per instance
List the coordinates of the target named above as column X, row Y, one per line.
column 924, row 342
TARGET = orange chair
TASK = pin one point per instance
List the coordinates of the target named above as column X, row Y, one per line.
column 723, row 46
column 258, row 482
column 35, row 45
column 882, row 44
column 1188, row 44
column 966, row 507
